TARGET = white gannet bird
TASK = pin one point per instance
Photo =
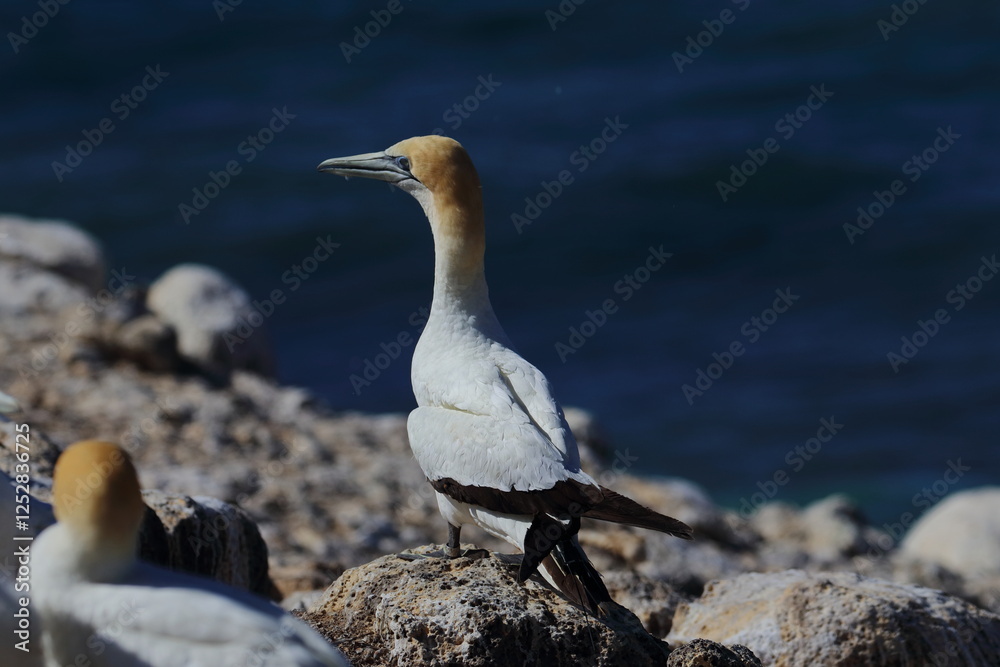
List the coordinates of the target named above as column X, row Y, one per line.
column 96, row 600
column 487, row 432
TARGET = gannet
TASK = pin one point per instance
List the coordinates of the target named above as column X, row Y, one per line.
column 98, row 602
column 487, row 432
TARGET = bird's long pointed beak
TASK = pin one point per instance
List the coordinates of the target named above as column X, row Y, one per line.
column 379, row 166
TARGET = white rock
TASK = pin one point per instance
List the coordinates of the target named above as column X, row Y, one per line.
column 961, row 533
column 25, row 288
column 214, row 320
column 54, row 245
column 796, row 618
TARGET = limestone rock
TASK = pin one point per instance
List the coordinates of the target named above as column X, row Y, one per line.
column 796, row 618
column 436, row 611
column 689, row 565
column 218, row 329
column 24, row 288
column 683, row 500
column 827, row 532
column 55, row 246
column 705, row 653
column 956, row 547
column 147, row 342
column 961, row 533
column 214, row 539
column 653, row 602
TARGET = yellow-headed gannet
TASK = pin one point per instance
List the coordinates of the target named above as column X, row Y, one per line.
column 98, row 602
column 487, row 432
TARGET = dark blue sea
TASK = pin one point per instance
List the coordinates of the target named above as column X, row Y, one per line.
column 823, row 176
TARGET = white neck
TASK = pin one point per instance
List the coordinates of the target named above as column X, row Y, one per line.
column 66, row 554
column 459, row 249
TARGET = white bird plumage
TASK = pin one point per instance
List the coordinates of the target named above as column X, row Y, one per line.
column 98, row 601
column 487, row 432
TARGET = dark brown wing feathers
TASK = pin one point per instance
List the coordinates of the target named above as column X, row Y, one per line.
column 619, row 509
column 565, row 499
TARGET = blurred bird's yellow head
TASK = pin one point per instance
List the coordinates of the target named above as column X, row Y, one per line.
column 96, row 494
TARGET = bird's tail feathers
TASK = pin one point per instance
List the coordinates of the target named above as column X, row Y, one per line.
column 618, row 509
column 576, row 578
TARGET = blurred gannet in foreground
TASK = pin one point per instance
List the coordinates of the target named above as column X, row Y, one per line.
column 98, row 601
column 487, row 432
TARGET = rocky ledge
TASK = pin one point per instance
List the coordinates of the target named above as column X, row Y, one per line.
column 223, row 450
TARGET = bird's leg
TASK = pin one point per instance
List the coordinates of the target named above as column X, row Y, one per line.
column 454, row 548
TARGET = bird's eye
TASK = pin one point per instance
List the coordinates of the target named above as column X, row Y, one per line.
column 403, row 162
